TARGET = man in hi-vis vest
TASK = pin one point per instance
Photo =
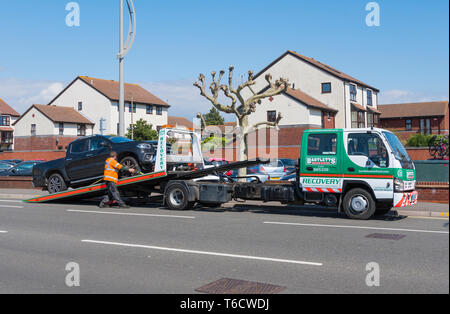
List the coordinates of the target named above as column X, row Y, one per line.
column 111, row 177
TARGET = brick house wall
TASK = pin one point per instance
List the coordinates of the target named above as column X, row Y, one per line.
column 50, row 142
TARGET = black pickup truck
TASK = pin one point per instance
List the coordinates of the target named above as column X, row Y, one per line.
column 85, row 161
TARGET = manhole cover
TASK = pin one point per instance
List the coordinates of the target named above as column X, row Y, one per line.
column 233, row 286
column 386, row 236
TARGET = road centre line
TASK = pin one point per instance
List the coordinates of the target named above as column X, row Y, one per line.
column 10, row 206
column 128, row 214
column 3, row 231
column 267, row 259
column 353, row 227
column 10, row 201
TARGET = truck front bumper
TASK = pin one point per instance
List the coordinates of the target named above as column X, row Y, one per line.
column 405, row 199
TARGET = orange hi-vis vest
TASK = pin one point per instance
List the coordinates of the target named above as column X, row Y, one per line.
column 112, row 168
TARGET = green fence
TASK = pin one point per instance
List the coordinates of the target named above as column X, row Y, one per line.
column 432, row 170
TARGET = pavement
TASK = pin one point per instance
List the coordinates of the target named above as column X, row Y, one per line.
column 149, row 249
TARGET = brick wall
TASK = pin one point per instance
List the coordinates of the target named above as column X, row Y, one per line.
column 51, row 142
column 34, row 155
column 433, row 192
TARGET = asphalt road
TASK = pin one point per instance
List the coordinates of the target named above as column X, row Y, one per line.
column 153, row 250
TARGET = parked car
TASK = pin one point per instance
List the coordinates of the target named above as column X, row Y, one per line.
column 275, row 170
column 5, row 165
column 254, row 174
column 24, row 169
column 289, row 164
column 85, row 160
column 13, row 161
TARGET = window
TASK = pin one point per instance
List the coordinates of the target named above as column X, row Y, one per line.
column 369, row 145
column 33, row 130
column 322, row 144
column 94, row 144
column 425, row 126
column 372, row 120
column 353, row 92
column 149, row 109
column 5, row 121
column 80, row 106
column 159, row 110
column 7, row 137
column 326, row 88
column 81, row 130
column 408, row 125
column 369, row 98
column 61, row 129
column 79, row 146
column 271, row 116
column 358, row 119
column 134, row 108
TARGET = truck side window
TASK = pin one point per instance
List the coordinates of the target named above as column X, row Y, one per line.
column 79, row 147
column 322, row 144
column 94, row 144
column 369, row 145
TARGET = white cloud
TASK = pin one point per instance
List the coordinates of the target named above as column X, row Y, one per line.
column 405, row 96
column 21, row 94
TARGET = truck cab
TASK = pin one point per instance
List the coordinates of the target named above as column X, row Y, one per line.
column 362, row 171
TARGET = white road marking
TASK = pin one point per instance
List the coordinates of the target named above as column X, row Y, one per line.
column 10, row 201
column 10, row 206
column 129, row 214
column 3, row 231
column 353, row 227
column 268, row 259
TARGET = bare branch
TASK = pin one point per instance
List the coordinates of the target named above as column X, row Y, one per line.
column 269, row 124
column 214, row 87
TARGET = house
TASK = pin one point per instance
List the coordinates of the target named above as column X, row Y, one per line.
column 44, row 127
column 410, row 118
column 98, row 100
column 320, row 96
column 7, row 118
column 180, row 122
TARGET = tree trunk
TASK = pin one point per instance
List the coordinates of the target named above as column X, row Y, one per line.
column 243, row 145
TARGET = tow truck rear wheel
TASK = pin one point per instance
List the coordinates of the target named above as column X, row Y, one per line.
column 359, row 204
column 56, row 183
column 177, row 197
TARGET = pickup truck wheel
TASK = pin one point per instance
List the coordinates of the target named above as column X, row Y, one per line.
column 56, row 183
column 131, row 163
column 177, row 197
column 359, row 204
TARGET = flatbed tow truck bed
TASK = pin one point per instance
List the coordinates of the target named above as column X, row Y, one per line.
column 146, row 182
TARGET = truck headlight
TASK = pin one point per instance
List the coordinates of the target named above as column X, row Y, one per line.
column 399, row 185
column 144, row 146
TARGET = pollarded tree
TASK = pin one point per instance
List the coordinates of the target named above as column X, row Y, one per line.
column 240, row 106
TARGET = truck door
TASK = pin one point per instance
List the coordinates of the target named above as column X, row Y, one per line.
column 320, row 167
column 76, row 159
column 368, row 161
column 96, row 157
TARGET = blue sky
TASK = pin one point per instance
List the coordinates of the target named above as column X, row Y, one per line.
column 407, row 57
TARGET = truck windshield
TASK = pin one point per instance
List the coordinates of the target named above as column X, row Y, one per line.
column 399, row 150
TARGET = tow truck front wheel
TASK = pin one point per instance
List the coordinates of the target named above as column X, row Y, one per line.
column 177, row 197
column 359, row 204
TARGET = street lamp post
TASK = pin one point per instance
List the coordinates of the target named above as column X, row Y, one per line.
column 124, row 48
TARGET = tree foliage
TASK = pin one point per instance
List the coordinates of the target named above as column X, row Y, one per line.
column 142, row 131
column 213, row 117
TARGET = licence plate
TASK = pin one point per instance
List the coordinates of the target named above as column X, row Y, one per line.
column 275, row 179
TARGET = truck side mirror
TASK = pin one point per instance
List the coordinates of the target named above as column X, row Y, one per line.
column 105, row 145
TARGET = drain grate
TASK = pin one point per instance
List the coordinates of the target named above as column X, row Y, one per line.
column 386, row 236
column 233, row 286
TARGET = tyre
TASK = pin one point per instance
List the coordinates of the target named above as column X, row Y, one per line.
column 177, row 197
column 131, row 163
column 359, row 204
column 56, row 184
